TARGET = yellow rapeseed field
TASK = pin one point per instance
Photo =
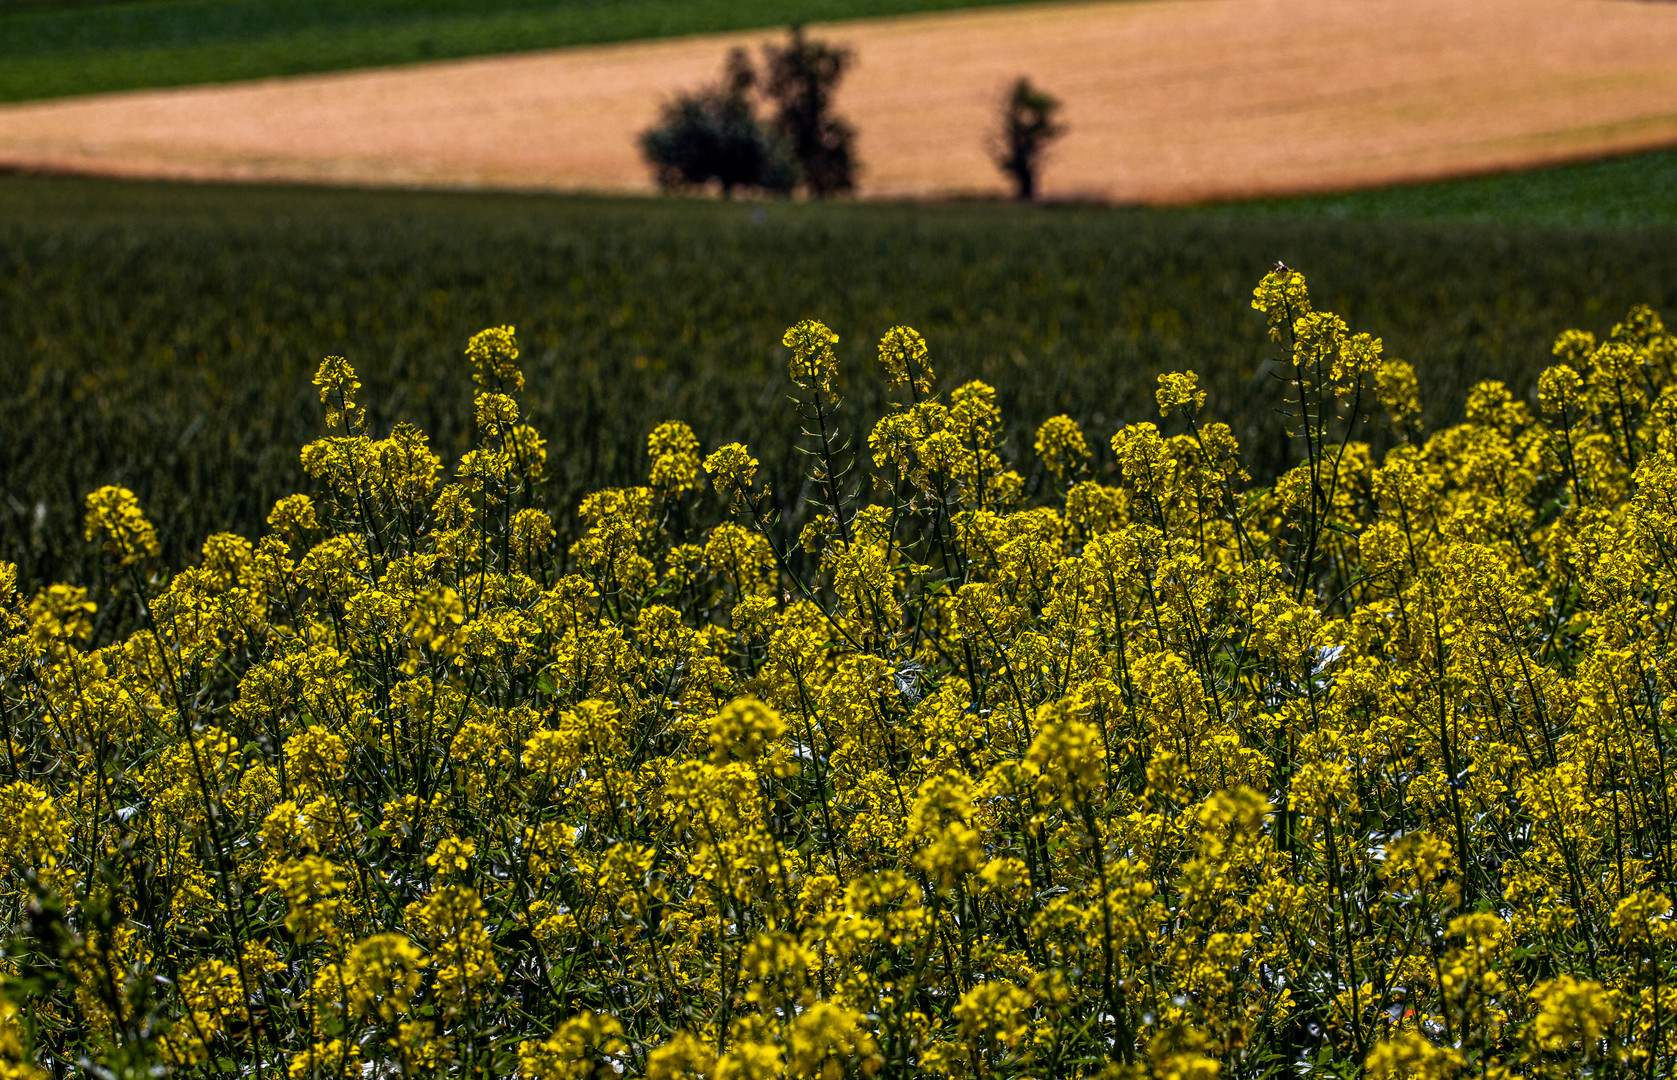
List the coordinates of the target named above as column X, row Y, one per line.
column 1159, row 773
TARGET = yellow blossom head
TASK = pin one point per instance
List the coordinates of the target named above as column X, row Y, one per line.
column 1062, row 448
column 1560, row 390
column 1281, row 296
column 1409, row 1055
column 382, row 973
column 293, row 517
column 743, row 730
column 494, row 357
column 451, row 857
column 584, row 1047
column 813, row 362
column 495, row 412
column 1179, row 392
column 1572, row 1014
column 674, row 451
column 114, row 513
column 1396, row 387
column 1574, row 347
column 338, row 384
column 732, row 470
column 902, row 353
column 683, row 1057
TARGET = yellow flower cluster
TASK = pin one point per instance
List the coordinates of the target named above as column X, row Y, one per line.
column 1157, row 772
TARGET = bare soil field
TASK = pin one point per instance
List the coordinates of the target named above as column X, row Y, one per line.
column 1167, row 101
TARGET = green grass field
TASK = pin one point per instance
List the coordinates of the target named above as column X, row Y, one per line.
column 54, row 49
column 1624, row 192
column 163, row 336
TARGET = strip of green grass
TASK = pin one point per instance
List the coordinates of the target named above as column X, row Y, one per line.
column 119, row 46
column 163, row 336
column 1636, row 190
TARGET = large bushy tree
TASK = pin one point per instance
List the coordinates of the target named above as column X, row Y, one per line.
column 715, row 136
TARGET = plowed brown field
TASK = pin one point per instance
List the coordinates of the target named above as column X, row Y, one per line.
column 1166, row 100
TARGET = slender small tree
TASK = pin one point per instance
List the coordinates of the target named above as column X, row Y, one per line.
column 1028, row 126
column 801, row 78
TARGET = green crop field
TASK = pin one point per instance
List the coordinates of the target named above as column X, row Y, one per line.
column 49, row 49
column 1630, row 191
column 163, row 336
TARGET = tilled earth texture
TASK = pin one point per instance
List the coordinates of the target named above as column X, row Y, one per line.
column 1167, row 101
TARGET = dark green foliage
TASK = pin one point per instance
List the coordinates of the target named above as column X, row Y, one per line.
column 714, row 136
column 1027, row 127
column 163, row 337
column 48, row 49
column 800, row 79
column 1637, row 189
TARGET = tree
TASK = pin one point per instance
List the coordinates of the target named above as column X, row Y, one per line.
column 1028, row 126
column 714, row 135
column 801, row 78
